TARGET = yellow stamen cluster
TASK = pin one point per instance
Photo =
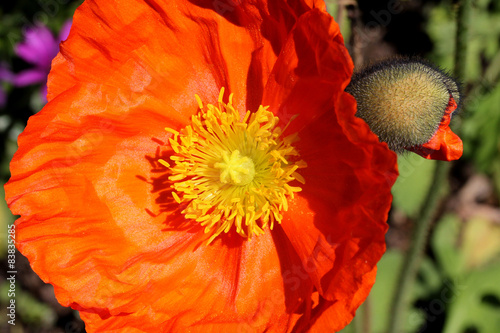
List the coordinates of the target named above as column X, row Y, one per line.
column 231, row 171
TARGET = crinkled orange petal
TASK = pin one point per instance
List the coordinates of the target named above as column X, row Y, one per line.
column 243, row 290
column 91, row 225
column 186, row 47
column 444, row 145
column 337, row 223
column 332, row 317
column 306, row 81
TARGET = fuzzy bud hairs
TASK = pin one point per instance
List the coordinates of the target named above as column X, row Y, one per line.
column 403, row 100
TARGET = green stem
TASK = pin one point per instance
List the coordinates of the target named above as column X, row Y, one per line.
column 413, row 256
column 462, row 41
column 367, row 315
column 362, row 321
column 427, row 214
column 357, row 322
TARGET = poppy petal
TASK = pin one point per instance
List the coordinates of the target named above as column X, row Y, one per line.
column 337, row 222
column 227, row 275
column 444, row 145
column 333, row 316
column 240, row 64
column 307, row 80
column 89, row 208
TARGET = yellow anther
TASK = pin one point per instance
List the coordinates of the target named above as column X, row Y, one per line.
column 164, row 163
column 233, row 171
column 176, row 197
column 198, row 99
column 170, row 130
column 221, row 95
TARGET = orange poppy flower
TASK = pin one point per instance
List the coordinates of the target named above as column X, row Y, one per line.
column 230, row 221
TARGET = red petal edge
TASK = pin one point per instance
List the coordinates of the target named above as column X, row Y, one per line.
column 444, row 145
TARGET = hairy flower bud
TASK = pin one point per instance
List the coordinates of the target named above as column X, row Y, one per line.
column 403, row 100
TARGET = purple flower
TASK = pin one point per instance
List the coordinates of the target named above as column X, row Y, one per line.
column 40, row 46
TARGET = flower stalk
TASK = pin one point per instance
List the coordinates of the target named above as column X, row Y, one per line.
column 461, row 41
column 413, row 257
column 434, row 196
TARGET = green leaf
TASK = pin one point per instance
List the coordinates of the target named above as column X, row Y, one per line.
column 468, row 253
column 476, row 303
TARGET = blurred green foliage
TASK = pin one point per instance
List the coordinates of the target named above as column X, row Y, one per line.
column 460, row 283
column 474, row 301
column 481, row 133
column 481, row 119
column 413, row 182
column 458, row 286
column 28, row 309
